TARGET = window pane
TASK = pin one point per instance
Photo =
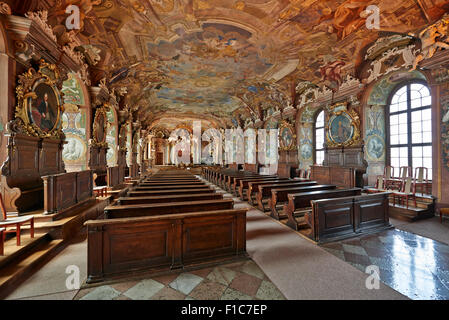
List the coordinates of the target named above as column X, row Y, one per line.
column 403, row 138
column 403, row 118
column 416, row 127
column 395, row 152
column 395, row 162
column 425, row 92
column 394, row 108
column 417, row 152
column 427, row 162
column 402, row 106
column 427, row 114
column 427, row 151
column 427, row 137
column 394, row 120
column 403, row 162
column 427, row 101
column 415, row 95
column 417, row 137
column 417, row 103
column 417, row 162
column 394, row 130
column 394, row 139
column 416, row 116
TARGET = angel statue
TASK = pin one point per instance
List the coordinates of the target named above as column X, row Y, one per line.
column 432, row 38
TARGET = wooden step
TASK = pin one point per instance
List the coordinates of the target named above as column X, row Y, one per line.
column 17, row 270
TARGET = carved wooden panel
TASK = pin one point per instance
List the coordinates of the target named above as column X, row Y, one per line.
column 159, row 243
column 65, row 190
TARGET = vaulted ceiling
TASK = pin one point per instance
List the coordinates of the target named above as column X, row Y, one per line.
column 205, row 59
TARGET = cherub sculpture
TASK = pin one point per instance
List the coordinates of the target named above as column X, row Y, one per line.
column 432, row 38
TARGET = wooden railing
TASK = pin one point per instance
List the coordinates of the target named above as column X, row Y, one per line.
column 64, row 190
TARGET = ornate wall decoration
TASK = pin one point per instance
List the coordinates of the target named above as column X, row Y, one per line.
column 39, row 109
column 375, row 133
column 445, row 126
column 74, row 127
column 287, row 137
column 343, row 127
column 100, row 128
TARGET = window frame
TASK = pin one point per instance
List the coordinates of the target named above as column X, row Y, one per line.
column 315, row 128
column 409, row 145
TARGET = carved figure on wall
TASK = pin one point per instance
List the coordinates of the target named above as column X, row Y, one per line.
column 432, row 38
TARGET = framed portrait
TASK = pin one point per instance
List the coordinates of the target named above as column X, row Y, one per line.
column 40, row 103
column 287, row 138
column 100, row 126
column 343, row 127
column 44, row 107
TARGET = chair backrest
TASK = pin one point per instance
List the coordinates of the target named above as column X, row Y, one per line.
column 388, row 172
column 3, row 208
column 308, row 174
column 380, row 183
column 421, row 174
column 407, row 185
column 405, row 172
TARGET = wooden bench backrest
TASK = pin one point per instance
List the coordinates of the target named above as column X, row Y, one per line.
column 128, row 211
column 166, row 199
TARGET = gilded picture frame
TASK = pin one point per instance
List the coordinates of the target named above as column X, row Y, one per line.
column 40, row 105
column 343, row 127
column 100, row 127
column 287, row 136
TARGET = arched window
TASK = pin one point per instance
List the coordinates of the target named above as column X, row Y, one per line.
column 112, row 137
column 319, row 138
column 410, row 127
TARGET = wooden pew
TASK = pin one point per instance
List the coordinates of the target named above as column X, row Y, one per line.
column 263, row 191
column 229, row 179
column 161, row 243
column 252, row 188
column 334, row 219
column 175, row 183
column 242, row 183
column 206, row 189
column 186, row 186
column 169, row 198
column 140, row 210
column 301, row 201
column 280, row 196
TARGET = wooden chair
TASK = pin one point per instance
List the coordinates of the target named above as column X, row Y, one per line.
column 407, row 192
column 2, row 241
column 16, row 222
column 421, row 179
column 405, row 172
column 379, row 186
column 443, row 211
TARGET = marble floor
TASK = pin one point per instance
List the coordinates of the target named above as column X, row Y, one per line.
column 413, row 265
column 236, row 281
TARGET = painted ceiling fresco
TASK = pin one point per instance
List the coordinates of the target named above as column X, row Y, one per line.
column 197, row 57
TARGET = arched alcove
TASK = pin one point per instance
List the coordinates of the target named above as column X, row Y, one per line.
column 74, row 123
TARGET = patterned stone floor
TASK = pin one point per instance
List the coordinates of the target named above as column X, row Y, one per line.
column 236, row 281
column 415, row 266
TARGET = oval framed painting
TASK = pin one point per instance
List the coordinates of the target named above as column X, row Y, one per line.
column 44, row 106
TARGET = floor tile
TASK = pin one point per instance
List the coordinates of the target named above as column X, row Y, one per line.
column 102, row 293
column 222, row 275
column 252, row 269
column 186, row 282
column 268, row 291
column 231, row 294
column 144, row 290
column 208, row 290
column 246, row 284
column 168, row 294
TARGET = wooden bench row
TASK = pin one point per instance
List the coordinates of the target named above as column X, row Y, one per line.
column 165, row 222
